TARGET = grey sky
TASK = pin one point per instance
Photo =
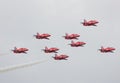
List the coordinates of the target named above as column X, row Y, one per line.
column 21, row 19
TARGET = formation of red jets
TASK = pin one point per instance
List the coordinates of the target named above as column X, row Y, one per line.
column 67, row 37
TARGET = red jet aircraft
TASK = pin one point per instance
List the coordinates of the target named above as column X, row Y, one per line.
column 90, row 23
column 60, row 57
column 42, row 36
column 108, row 49
column 20, row 50
column 77, row 44
column 50, row 50
column 71, row 36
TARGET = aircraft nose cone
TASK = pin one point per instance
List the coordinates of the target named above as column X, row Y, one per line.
column 113, row 48
column 57, row 49
column 67, row 56
column 97, row 22
column 49, row 35
column 84, row 43
column 77, row 35
column 27, row 49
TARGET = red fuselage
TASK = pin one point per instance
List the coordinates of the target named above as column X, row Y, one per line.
column 71, row 36
column 90, row 23
column 42, row 36
column 61, row 57
column 20, row 50
column 108, row 49
column 51, row 50
column 77, row 44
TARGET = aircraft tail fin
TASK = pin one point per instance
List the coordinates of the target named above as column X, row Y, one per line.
column 66, row 34
column 72, row 41
column 37, row 33
column 102, row 47
column 55, row 54
column 46, row 48
column 15, row 48
column 85, row 20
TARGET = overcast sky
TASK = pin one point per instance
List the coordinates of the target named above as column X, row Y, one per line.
column 21, row 19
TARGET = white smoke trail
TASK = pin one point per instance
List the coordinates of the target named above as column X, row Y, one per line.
column 13, row 67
